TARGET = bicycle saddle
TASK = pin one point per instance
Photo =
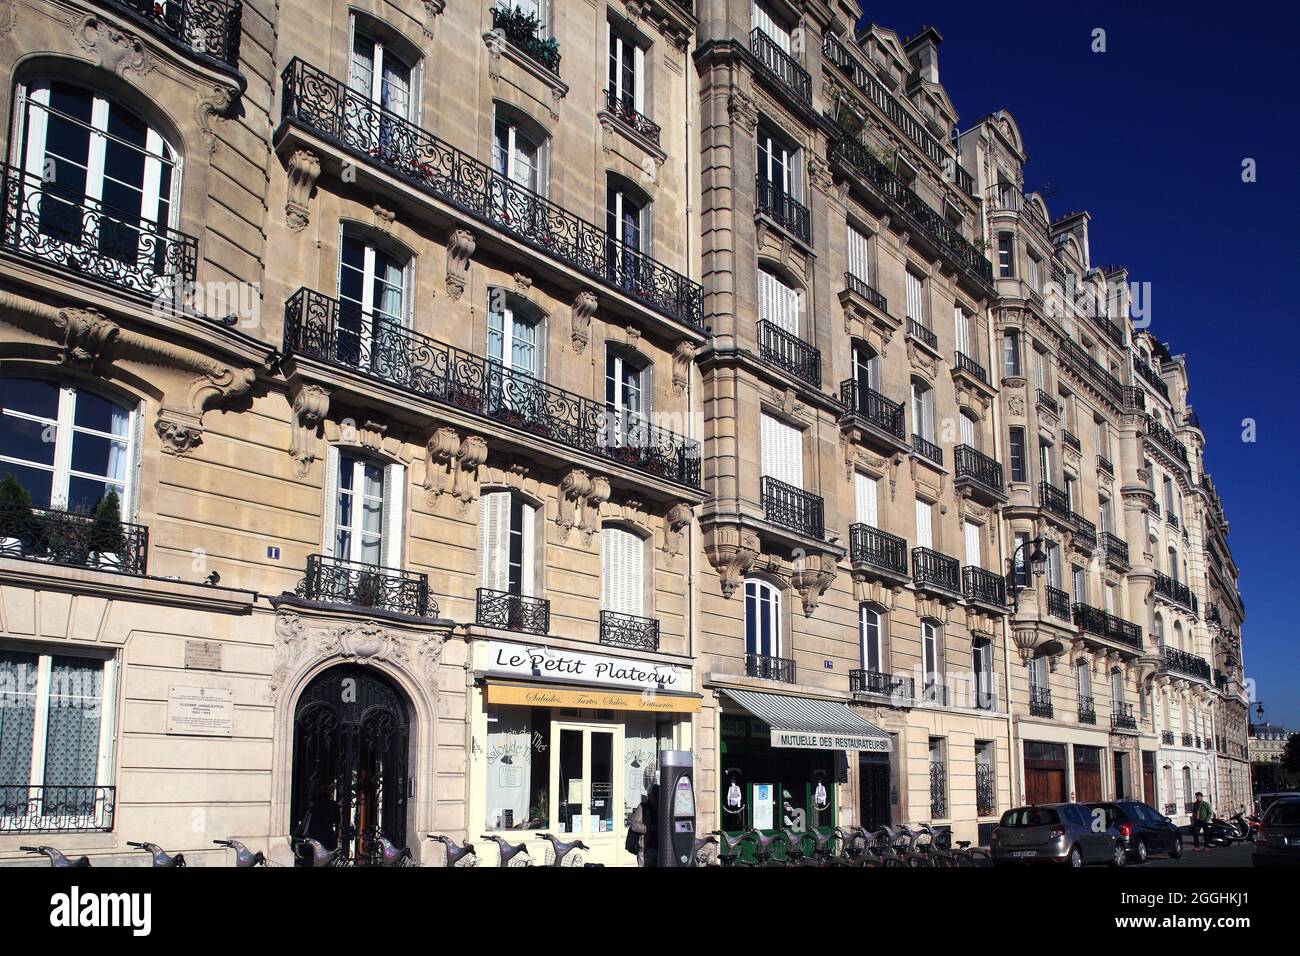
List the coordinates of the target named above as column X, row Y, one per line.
column 764, row 843
column 319, row 855
column 732, row 844
column 508, row 850
column 454, row 852
column 963, row 844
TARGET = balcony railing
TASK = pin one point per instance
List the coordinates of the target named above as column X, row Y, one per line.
column 880, row 549
column 1149, row 375
column 782, row 208
column 1055, row 501
column 959, row 250
column 931, row 567
column 1008, row 197
column 1074, row 355
column 1167, row 737
column 769, row 668
column 1085, row 532
column 621, row 108
column 1132, row 398
column 789, row 352
column 1176, row 591
column 864, row 681
column 1058, row 603
column 874, row 408
column 328, row 108
column 967, row 364
column 337, row 581
column 628, row 630
column 1184, row 662
column 56, row 808
column 1188, row 740
column 210, row 28
column 1040, row 702
column 918, row 331
column 927, row 449
column 63, row 537
column 60, row 228
column 1087, row 710
column 1116, row 549
column 524, row 31
column 1104, row 464
column 1103, row 624
column 859, row 287
column 1166, row 439
column 1046, row 401
column 512, row 612
column 781, row 65
column 1122, row 718
column 978, row 467
column 321, row 328
column 1070, row 439
column 793, row 508
column 984, row 586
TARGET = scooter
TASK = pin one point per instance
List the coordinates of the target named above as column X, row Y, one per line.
column 1240, row 827
column 1219, row 832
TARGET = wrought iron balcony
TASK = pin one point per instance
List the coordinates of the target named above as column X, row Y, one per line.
column 1058, row 603
column 973, row 368
column 320, row 328
column 1046, row 401
column 1132, row 399
column 1122, row 718
column 974, row 465
column 1188, row 740
column 1087, row 710
column 1176, row 591
column 918, row 331
column 872, row 407
column 1116, row 549
column 933, row 692
column 1172, row 520
column 1149, row 375
column 1103, row 624
column 781, row 66
column 512, row 612
column 878, row 549
column 929, row 567
column 1055, row 501
column 59, row 228
column 337, row 581
column 628, row 630
column 769, row 668
column 1040, row 702
column 1167, row 737
column 326, row 107
column 56, row 808
column 1074, row 355
column 789, row 352
column 855, row 157
column 621, row 108
column 1166, row 439
column 1070, row 439
column 524, row 31
column 783, row 209
column 1085, row 532
column 1104, row 465
column 984, row 586
column 63, row 537
column 1183, row 662
column 864, row 291
column 793, row 508
column 208, row 28
column 938, row 790
column 927, row 449
column 864, row 681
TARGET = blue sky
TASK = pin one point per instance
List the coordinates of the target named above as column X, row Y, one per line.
column 1150, row 137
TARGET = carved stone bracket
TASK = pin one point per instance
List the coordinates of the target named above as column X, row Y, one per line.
column 309, row 408
column 813, row 576
column 115, row 50
column 581, row 312
column 578, row 501
column 460, row 246
column 731, row 551
column 303, row 171
column 432, row 9
column 211, row 105
column 85, row 335
column 743, row 111
column 683, row 356
column 677, row 519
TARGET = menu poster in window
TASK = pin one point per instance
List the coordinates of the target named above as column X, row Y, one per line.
column 764, row 804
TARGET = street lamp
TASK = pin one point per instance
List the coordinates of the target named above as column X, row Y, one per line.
column 1037, row 565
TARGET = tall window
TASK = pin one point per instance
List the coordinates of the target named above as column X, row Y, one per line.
column 1106, row 519
column 380, row 73
column 859, row 255
column 626, row 394
column 930, row 657
column 1045, row 462
column 1010, row 354
column 864, row 499
column 1020, row 570
column 762, row 618
column 372, row 299
column 627, row 218
column 1040, row 369
column 924, row 531
column 1035, row 273
column 866, row 368
column 1017, row 445
column 359, row 511
column 505, row 531
column 922, row 410
column 1079, row 583
column 622, row 571
column 1006, row 255
column 518, row 155
column 762, row 17
column 971, row 534
column 1055, row 572
column 915, row 297
column 1117, row 686
column 1083, row 679
column 778, row 303
column 67, row 446
column 982, row 667
column 968, row 430
column 626, row 70
column 514, row 333
column 1038, row 680
column 869, row 632
column 782, row 451
column 961, row 326
column 778, row 165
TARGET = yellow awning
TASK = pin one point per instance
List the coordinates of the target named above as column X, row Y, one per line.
column 594, row 698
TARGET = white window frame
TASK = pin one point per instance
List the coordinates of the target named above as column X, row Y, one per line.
column 378, row 68
column 510, row 156
column 504, row 516
column 924, row 524
column 762, row 17
column 782, row 451
column 866, row 499
column 870, row 631
column 930, row 672
column 916, row 298
column 513, row 319
column 391, row 514
column 778, row 302
column 858, row 252
column 779, row 153
column 766, row 599
column 621, row 46
column 922, row 410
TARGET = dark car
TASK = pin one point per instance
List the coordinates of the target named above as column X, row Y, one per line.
column 1277, row 842
column 1142, row 829
column 1055, row 833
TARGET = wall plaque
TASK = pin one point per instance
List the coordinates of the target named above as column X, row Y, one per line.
column 201, row 711
column 203, row 655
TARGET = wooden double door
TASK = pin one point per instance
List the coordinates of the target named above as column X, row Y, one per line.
column 1045, row 772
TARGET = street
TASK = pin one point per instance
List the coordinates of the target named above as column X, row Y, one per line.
column 1238, row 854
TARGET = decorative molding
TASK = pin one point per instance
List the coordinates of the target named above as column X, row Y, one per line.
column 573, row 488
column 742, row 110
column 432, row 10
column 211, row 105
column 677, row 519
column 581, row 312
column 683, row 356
column 731, row 551
column 461, row 244
column 310, row 406
column 813, row 576
column 303, row 170
column 384, row 218
column 113, row 49
column 86, row 334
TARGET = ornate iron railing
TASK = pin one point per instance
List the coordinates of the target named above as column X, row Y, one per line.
column 878, row 411
column 769, row 668
column 1167, row 738
column 1132, row 398
column 781, row 65
column 337, row 581
column 967, row 364
column 512, row 612
column 1074, row 355
column 939, row 570
column 62, row 229
column 1171, row 808
column 63, row 537
column 1046, row 401
column 978, row 467
column 322, row 328
column 1103, row 624
column 1187, row 740
column 927, row 449
column 986, row 799
column 1009, row 197
column 783, row 209
column 1122, row 718
column 1172, row 520
column 1104, row 464
column 868, row 545
column 1070, row 439
column 1058, row 603
column 56, row 808
column 524, row 31
column 1176, row 591
column 865, row 681
column 859, row 287
column 918, row 331
column 1040, row 702
column 1085, row 532
column 1166, row 439
column 1184, row 662
column 793, row 508
column 1087, row 710
column 628, row 630
column 938, row 790
column 1054, row 500
column 959, row 250
column 933, row 692
column 984, row 586
column 621, row 108
column 1116, row 549
column 1149, row 375
column 787, row 351
column 327, row 107
column 210, row 28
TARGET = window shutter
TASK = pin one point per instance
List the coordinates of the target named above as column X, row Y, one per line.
column 782, row 451
column 967, row 430
column 973, row 545
column 622, row 554
column 394, row 510
column 493, row 529
column 959, row 322
column 914, row 303
column 638, row 78
column 859, row 261
column 329, row 507
column 864, row 493
column 923, row 535
column 528, row 515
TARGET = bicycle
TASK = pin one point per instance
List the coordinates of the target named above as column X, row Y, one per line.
column 508, row 851
column 965, row 855
column 765, row 848
column 729, row 848
column 244, row 857
column 56, row 858
column 935, row 854
column 560, row 850
column 160, row 857
column 456, row 852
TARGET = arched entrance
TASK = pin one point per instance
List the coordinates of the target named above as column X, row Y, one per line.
column 350, row 749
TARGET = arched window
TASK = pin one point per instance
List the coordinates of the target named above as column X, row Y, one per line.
column 627, row 216
column 373, row 298
column 622, row 580
column 382, row 68
column 869, row 631
column 1158, row 629
column 1178, row 635
column 970, row 430
column 506, row 533
column 67, row 446
column 762, row 618
column 1117, row 687
column 778, row 301
column 627, row 394
column 518, row 153
column 1083, row 680
column 922, row 410
column 866, row 371
column 514, row 337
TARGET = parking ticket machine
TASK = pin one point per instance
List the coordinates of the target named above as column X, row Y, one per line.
column 676, row 807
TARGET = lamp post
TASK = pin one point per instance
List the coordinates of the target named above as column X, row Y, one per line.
column 1037, row 565
column 1271, row 760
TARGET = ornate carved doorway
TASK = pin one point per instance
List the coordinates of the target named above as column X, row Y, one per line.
column 350, row 740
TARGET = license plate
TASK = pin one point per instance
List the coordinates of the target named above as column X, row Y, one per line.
column 1293, row 841
column 1025, row 853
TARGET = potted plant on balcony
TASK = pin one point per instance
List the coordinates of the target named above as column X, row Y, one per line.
column 16, row 519
column 107, row 537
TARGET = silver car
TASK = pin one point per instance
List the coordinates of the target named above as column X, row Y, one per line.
column 1066, row 833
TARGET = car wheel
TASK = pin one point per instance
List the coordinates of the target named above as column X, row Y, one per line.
column 1141, row 852
column 1177, row 851
column 1075, row 860
column 1120, row 857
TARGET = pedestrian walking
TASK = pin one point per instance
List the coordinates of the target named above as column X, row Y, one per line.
column 1200, row 822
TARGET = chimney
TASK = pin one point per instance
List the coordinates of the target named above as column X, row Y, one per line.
column 923, row 51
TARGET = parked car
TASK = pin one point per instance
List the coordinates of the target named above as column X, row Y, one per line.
column 1142, row 829
column 1055, row 833
column 1266, row 800
column 1277, row 843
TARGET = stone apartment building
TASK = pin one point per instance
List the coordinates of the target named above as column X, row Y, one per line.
column 421, row 414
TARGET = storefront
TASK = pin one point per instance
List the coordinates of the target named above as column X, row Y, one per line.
column 567, row 742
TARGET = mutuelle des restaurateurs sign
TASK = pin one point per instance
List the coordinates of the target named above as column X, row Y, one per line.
column 804, row 740
column 608, row 683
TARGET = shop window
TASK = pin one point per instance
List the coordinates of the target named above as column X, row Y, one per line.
column 506, row 534
column 518, row 768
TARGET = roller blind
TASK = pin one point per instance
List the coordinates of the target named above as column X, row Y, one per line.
column 923, row 530
column 864, row 494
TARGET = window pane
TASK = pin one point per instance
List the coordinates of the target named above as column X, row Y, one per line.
column 17, row 721
column 28, row 440
column 99, row 456
column 84, row 494
column 75, row 708
column 38, row 483
column 31, row 396
column 518, row 768
column 98, row 413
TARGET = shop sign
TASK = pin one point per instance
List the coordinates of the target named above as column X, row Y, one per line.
column 520, row 660
column 593, row 699
column 803, row 740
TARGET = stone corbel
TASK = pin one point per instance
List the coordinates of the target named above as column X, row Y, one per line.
column 742, row 111
column 676, row 520
column 573, row 488
column 461, row 244
column 211, row 105
column 471, row 455
column 815, row 574
column 581, row 312
column 303, row 171
column 439, row 462
column 731, row 551
column 683, row 356
column 432, row 10
column 309, row 408
column 181, row 428
column 85, row 336
column 1026, row 641
column 596, row 497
